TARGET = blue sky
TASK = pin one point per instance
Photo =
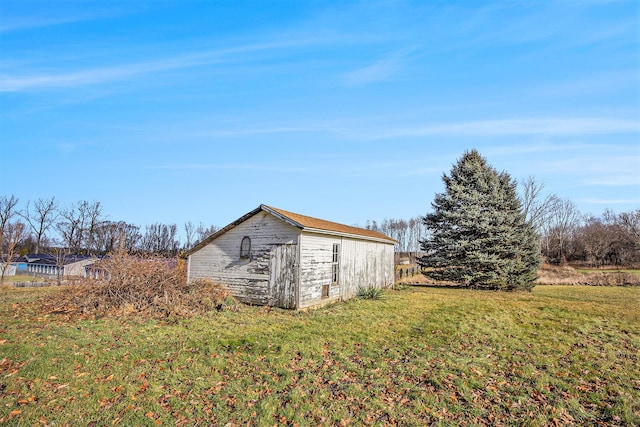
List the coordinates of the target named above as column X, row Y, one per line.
column 199, row 111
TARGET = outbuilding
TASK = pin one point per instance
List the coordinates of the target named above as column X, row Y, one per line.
column 278, row 258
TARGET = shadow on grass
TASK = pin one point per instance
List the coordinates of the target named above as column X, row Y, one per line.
column 435, row 285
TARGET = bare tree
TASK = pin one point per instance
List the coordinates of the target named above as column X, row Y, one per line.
column 41, row 218
column 630, row 223
column 189, row 235
column 14, row 234
column 417, row 232
column 597, row 239
column 60, row 254
column 70, row 228
column 203, row 231
column 7, row 212
column 161, row 239
column 113, row 236
column 78, row 225
column 535, row 207
column 92, row 212
column 559, row 229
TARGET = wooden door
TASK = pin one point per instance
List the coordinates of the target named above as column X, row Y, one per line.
column 283, row 276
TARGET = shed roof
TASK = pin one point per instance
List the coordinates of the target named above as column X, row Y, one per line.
column 311, row 224
column 302, row 222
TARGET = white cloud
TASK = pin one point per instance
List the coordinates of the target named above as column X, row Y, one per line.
column 615, row 180
column 100, row 75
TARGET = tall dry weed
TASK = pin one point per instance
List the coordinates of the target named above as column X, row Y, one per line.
column 566, row 275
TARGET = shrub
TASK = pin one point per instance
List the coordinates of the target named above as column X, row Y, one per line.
column 369, row 293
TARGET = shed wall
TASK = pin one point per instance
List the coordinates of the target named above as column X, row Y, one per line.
column 365, row 264
column 362, row 263
column 248, row 280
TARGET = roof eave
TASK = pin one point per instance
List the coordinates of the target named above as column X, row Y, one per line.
column 282, row 217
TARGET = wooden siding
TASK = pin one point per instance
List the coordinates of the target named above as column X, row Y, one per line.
column 248, row 280
column 361, row 264
column 365, row 264
column 316, row 252
column 283, row 277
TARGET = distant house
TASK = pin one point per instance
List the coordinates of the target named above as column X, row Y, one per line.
column 48, row 265
column 273, row 257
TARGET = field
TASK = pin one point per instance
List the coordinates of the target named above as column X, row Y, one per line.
column 419, row 356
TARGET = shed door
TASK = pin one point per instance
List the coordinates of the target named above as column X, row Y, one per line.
column 283, row 274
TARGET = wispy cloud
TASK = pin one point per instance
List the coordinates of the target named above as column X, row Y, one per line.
column 100, row 75
column 518, row 126
column 26, row 23
column 616, row 180
column 380, row 70
column 238, row 133
column 229, row 167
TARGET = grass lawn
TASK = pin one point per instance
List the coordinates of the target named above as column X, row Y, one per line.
column 566, row 355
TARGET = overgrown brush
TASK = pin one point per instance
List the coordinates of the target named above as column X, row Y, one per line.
column 145, row 285
column 569, row 276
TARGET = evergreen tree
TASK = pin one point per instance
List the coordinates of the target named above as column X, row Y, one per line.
column 479, row 235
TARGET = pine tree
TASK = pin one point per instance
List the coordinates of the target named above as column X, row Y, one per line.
column 479, row 237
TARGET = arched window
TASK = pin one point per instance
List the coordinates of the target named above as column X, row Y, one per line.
column 245, row 248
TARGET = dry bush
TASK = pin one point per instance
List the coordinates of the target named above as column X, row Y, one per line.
column 566, row 275
column 132, row 285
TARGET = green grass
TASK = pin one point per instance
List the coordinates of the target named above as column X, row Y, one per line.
column 418, row 356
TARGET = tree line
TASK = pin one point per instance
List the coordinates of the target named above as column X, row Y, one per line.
column 46, row 226
column 565, row 234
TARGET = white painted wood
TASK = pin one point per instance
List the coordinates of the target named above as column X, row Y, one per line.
column 362, row 263
column 283, row 276
column 248, row 280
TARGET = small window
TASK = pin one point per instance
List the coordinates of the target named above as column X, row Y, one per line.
column 245, row 248
column 335, row 268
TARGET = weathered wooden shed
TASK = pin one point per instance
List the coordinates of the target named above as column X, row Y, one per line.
column 278, row 258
